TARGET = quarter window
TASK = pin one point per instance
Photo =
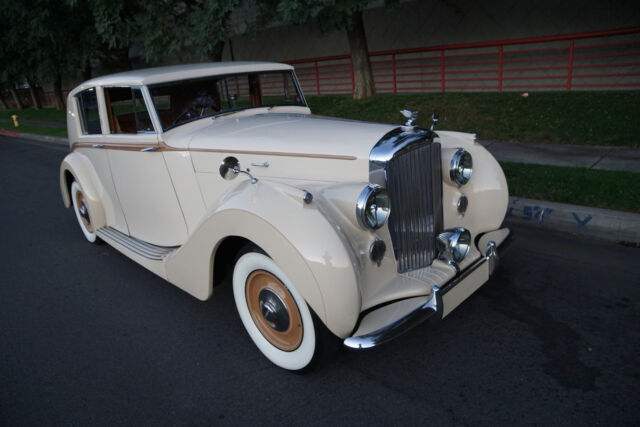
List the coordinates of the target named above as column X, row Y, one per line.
column 89, row 114
column 127, row 110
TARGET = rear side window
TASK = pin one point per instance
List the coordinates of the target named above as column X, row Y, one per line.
column 89, row 115
column 127, row 111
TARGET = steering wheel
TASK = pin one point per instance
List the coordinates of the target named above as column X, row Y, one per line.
column 202, row 103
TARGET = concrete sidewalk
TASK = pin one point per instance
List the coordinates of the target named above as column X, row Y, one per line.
column 593, row 157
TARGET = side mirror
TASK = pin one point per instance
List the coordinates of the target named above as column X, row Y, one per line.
column 229, row 168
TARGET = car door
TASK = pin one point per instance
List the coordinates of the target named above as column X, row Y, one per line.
column 90, row 142
column 139, row 171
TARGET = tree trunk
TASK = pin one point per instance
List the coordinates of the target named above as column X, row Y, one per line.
column 362, row 74
column 16, row 98
column 86, row 73
column 123, row 60
column 34, row 95
column 216, row 54
column 4, row 103
column 57, row 90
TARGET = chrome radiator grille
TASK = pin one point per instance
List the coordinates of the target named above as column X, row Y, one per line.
column 414, row 183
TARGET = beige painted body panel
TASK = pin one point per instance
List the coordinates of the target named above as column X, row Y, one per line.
column 83, row 171
column 180, row 167
column 148, row 197
column 486, row 190
column 109, row 198
column 275, row 218
column 176, row 197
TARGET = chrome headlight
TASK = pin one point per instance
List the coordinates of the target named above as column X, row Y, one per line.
column 373, row 207
column 461, row 167
column 455, row 244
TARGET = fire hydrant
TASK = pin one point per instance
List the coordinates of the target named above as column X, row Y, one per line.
column 16, row 123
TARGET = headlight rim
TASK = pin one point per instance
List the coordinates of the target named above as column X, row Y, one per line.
column 362, row 205
column 455, row 175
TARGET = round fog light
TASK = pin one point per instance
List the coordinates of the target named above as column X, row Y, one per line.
column 455, row 243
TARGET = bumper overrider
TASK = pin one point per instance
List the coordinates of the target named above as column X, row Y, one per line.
column 434, row 307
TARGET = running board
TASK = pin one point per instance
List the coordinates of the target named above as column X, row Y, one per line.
column 138, row 247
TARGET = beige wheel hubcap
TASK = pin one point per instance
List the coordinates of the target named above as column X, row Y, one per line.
column 273, row 310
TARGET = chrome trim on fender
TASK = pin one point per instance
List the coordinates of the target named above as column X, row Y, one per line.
column 432, row 309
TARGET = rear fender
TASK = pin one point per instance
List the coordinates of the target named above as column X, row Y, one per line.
column 85, row 175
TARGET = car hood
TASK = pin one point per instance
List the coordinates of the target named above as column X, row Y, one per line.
column 282, row 133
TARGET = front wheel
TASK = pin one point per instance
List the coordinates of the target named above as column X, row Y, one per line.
column 274, row 314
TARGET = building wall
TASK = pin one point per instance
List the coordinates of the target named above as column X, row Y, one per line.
column 431, row 23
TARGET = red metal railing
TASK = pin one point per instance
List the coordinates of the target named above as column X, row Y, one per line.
column 593, row 60
column 560, row 62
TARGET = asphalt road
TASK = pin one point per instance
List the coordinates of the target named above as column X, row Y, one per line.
column 88, row 337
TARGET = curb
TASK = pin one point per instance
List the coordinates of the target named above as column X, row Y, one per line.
column 57, row 140
column 599, row 223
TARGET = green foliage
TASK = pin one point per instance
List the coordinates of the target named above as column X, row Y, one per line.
column 185, row 28
column 38, row 130
column 588, row 118
column 329, row 16
column 43, row 115
column 43, row 39
column 580, row 186
column 115, row 21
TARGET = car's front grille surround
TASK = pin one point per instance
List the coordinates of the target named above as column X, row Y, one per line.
column 414, row 183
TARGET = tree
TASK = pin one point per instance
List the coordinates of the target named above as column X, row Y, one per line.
column 67, row 41
column 191, row 28
column 44, row 41
column 329, row 15
column 116, row 27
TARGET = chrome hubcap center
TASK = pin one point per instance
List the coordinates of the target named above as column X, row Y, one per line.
column 274, row 310
column 84, row 212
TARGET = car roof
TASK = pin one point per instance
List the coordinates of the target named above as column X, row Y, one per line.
column 146, row 76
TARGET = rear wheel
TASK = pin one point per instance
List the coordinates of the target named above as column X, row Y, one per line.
column 275, row 315
column 81, row 209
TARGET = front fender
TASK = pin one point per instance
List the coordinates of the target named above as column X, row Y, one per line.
column 299, row 238
column 83, row 172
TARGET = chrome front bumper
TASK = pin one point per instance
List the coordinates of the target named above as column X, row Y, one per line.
column 433, row 307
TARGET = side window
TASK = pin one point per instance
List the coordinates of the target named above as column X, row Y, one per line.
column 88, row 109
column 127, row 110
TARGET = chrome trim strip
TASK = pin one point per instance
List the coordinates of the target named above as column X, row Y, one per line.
column 138, row 247
column 431, row 309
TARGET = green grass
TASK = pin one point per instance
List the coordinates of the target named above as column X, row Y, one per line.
column 586, row 118
column 40, row 130
column 579, row 186
column 44, row 114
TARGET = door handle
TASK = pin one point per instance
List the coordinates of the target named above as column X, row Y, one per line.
column 148, row 149
column 98, row 145
column 260, row 164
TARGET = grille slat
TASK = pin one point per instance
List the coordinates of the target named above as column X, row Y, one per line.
column 414, row 183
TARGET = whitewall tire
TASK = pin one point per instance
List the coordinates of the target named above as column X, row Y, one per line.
column 274, row 314
column 80, row 207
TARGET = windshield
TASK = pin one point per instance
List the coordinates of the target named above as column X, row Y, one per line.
column 186, row 100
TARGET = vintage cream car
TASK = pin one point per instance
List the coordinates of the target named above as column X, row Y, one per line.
column 329, row 228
